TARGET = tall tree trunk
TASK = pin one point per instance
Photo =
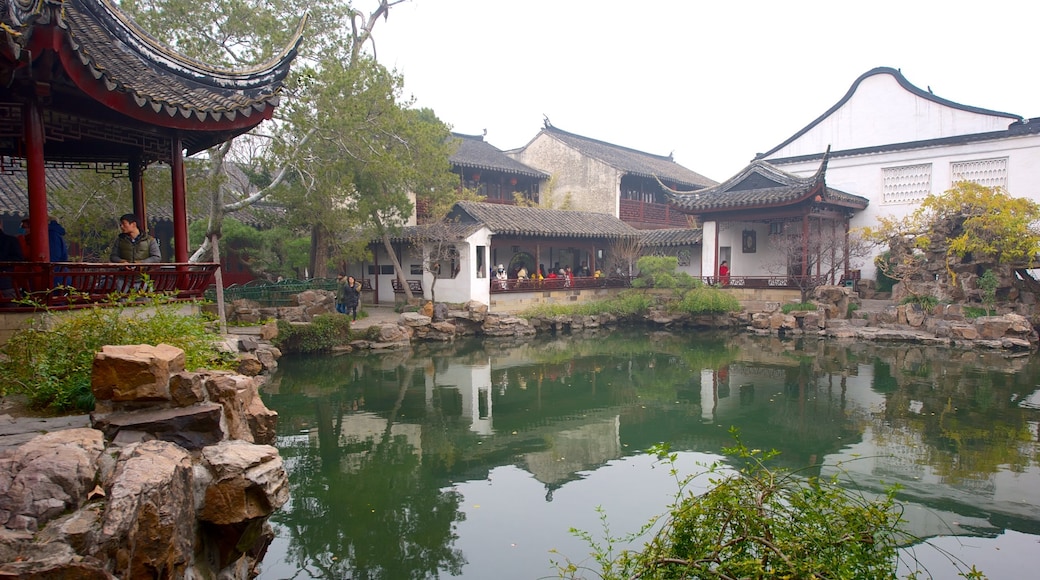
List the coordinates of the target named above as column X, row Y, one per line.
column 319, row 262
column 398, row 270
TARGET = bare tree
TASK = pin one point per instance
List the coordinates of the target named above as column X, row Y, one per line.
column 438, row 241
column 819, row 259
column 624, row 253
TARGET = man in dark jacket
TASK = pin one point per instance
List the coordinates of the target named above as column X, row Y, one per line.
column 132, row 245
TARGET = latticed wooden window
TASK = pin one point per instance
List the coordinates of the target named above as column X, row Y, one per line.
column 906, row 184
column 987, row 172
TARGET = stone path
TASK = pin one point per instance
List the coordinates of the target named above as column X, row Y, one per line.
column 377, row 316
column 15, row 431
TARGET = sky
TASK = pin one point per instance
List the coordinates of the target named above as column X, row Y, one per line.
column 712, row 83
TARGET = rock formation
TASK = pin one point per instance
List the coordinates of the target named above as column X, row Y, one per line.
column 176, row 478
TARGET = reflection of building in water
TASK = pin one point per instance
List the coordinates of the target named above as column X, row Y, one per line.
column 363, row 431
column 574, row 450
column 473, row 382
column 895, row 452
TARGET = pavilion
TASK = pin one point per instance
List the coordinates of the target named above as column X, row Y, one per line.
column 81, row 85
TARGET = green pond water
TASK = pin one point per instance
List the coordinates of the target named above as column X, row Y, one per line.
column 475, row 459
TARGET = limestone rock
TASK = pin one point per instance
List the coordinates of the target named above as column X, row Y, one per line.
column 47, row 476
column 394, row 333
column 189, row 427
column 245, row 415
column 249, row 365
column 249, row 482
column 186, row 388
column 414, row 319
column 148, row 526
column 269, row 330
column 135, row 372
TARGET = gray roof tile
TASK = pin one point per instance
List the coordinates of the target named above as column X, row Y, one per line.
column 474, row 152
column 540, row 222
column 673, row 237
column 762, row 184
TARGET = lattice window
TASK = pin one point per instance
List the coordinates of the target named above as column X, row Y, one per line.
column 684, row 258
column 987, row 172
column 906, row 184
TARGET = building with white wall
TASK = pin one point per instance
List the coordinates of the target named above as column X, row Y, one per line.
column 894, row 144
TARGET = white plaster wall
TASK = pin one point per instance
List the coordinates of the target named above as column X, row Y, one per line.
column 881, row 112
column 760, row 263
column 709, row 255
column 592, row 185
column 467, row 285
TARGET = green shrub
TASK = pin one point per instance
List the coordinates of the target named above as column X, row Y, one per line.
column 660, row 272
column 759, row 522
column 988, row 283
column 320, row 335
column 973, row 312
column 627, row 303
column 884, row 283
column 798, row 307
column 50, row 361
column 706, row 300
column 927, row 303
column 852, row 308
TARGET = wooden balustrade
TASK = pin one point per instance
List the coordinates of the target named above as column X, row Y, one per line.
column 65, row 284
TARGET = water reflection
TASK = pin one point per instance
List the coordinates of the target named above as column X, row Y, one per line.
column 386, row 452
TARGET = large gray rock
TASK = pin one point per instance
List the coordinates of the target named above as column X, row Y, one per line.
column 189, row 427
column 148, row 527
column 249, row 481
column 245, row 415
column 47, row 476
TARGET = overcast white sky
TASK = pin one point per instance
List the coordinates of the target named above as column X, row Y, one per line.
column 712, row 82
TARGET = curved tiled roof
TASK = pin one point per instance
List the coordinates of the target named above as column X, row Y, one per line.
column 108, row 63
column 761, row 184
column 127, row 59
column 673, row 237
column 473, row 152
column 898, row 75
column 631, row 161
column 535, row 221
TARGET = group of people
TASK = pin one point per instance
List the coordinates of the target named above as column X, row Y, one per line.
column 501, row 277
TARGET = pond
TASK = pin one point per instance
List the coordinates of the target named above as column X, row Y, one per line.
column 475, row 459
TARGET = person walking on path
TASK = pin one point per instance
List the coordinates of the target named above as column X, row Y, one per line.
column 349, row 297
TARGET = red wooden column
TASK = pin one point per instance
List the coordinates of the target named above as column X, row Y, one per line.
column 180, row 205
column 32, row 127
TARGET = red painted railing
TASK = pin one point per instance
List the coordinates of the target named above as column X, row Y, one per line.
column 514, row 285
column 633, row 211
column 69, row 284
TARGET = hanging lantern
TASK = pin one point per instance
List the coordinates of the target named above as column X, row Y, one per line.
column 512, row 181
column 475, row 177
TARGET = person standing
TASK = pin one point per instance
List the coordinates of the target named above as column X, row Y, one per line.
column 724, row 273
column 132, row 245
column 351, row 296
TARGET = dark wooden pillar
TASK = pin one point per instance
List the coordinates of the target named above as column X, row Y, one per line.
column 137, row 193
column 32, row 126
column 180, row 204
column 805, row 244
